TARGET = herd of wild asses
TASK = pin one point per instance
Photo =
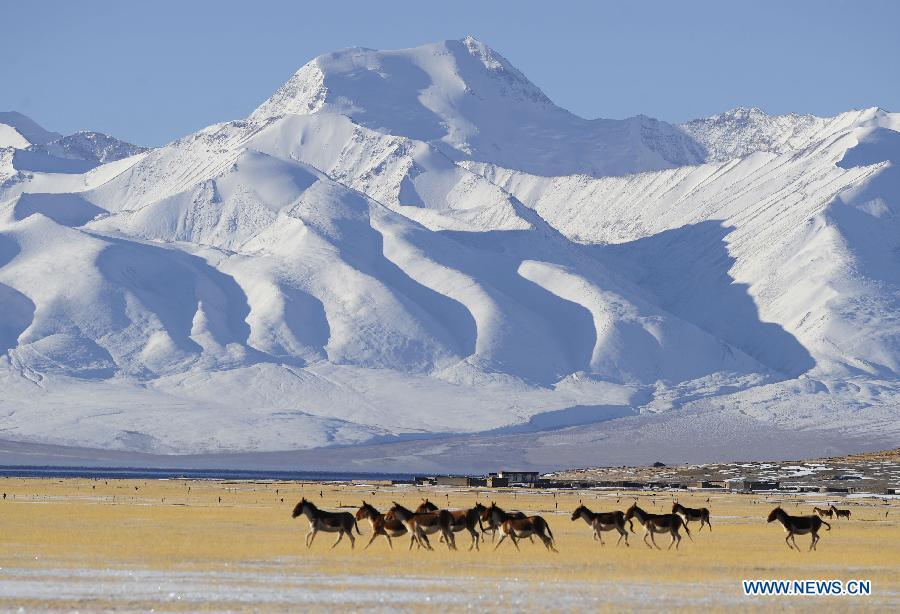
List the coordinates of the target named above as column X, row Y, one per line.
column 427, row 519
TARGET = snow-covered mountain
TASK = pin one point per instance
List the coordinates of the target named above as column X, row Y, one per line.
column 468, row 102
column 91, row 146
column 419, row 244
column 26, row 147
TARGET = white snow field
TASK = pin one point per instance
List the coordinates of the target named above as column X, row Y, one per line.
column 412, row 245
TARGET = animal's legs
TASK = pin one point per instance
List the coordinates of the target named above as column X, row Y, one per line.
column 340, row 537
column 423, row 538
column 448, row 538
column 374, row 535
column 474, row 536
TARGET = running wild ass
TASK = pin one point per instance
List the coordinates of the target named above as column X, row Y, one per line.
column 420, row 525
column 840, row 513
column 381, row 524
column 519, row 528
column 603, row 521
column 329, row 522
column 658, row 523
column 798, row 525
column 691, row 514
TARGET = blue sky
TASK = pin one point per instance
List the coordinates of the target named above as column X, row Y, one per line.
column 153, row 71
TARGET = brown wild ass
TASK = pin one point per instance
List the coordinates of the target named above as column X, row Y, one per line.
column 518, row 528
column 381, row 524
column 840, row 513
column 420, row 525
column 798, row 525
column 491, row 525
column 329, row 522
column 603, row 521
column 457, row 520
column 822, row 513
column 426, row 506
column 691, row 514
column 658, row 523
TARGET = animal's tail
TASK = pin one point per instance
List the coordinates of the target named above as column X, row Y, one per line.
column 687, row 530
column 355, row 524
column 549, row 532
column 827, row 525
column 708, row 523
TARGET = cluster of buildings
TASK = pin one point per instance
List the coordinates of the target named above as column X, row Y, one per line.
column 532, row 479
column 500, row 479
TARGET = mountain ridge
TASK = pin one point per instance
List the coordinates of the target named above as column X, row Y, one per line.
column 341, row 268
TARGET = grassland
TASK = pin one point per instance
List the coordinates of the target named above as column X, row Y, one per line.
column 173, row 545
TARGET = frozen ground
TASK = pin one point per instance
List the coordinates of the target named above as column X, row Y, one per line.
column 263, row 589
column 411, row 245
column 176, row 545
column 269, row 589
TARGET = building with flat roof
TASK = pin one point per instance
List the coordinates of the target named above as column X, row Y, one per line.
column 518, row 477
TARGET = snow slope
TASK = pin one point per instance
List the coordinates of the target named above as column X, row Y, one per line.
column 418, row 243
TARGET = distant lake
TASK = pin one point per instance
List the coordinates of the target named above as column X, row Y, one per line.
column 111, row 473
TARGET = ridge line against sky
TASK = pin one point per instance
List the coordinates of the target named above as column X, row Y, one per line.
column 151, row 72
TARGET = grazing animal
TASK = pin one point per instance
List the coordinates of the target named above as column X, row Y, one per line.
column 330, row 522
column 798, row 525
column 518, row 528
column 420, row 525
column 381, row 524
column 840, row 513
column 692, row 513
column 822, row 513
column 603, row 521
column 658, row 523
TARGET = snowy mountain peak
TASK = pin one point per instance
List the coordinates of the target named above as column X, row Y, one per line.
column 470, row 103
column 745, row 130
column 91, row 146
column 338, row 81
column 515, row 81
column 742, row 131
column 26, row 147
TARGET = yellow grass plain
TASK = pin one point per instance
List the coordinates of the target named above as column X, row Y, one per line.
column 172, row 545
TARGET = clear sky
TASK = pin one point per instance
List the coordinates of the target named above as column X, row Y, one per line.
column 152, row 71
